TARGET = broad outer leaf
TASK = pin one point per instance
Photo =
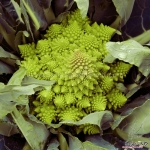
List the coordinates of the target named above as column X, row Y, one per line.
column 102, row 119
column 124, row 9
column 132, row 52
column 12, row 94
column 75, row 143
column 139, row 21
column 102, row 11
column 17, row 77
column 127, row 110
column 35, row 134
column 138, row 121
column 8, row 129
column 135, row 139
column 6, row 54
column 32, row 81
column 99, row 141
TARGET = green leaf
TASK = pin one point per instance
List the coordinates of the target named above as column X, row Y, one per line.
column 6, row 54
column 4, row 68
column 127, row 110
column 124, row 9
column 17, row 10
column 35, row 134
column 8, row 129
column 88, row 146
column 138, row 22
column 139, row 138
column 76, row 144
column 36, row 13
column 138, row 121
column 132, row 52
column 17, row 77
column 45, row 3
column 32, row 81
column 99, row 141
column 62, row 142
column 26, row 18
column 53, row 145
column 102, row 11
column 102, row 119
column 12, row 94
column 83, row 6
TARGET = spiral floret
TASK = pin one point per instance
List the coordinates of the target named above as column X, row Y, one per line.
column 72, row 32
column 27, row 50
column 43, row 48
column 116, row 99
column 32, row 67
column 76, row 16
column 45, row 96
column 53, row 31
column 119, row 70
column 89, row 129
column 70, row 114
column 98, row 103
column 46, row 114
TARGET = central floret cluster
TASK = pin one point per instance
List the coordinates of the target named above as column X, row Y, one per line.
column 72, row 54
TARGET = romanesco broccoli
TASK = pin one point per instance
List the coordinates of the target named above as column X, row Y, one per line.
column 72, row 54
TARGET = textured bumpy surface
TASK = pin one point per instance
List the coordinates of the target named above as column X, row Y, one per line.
column 72, row 54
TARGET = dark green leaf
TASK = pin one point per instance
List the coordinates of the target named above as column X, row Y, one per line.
column 4, row 68
column 45, row 3
column 139, row 20
column 36, row 14
column 99, row 141
column 102, row 11
column 8, row 129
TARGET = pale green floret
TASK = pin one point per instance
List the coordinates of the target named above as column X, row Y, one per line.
column 72, row 55
column 59, row 101
column 116, row 99
column 70, row 114
column 45, row 96
column 43, row 48
column 32, row 66
column 83, row 103
column 46, row 114
column 98, row 103
column 72, row 32
column 53, row 31
column 119, row 70
column 76, row 16
column 27, row 50
column 106, row 32
column 69, row 98
column 106, row 83
column 60, row 45
column 45, row 75
column 88, row 129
